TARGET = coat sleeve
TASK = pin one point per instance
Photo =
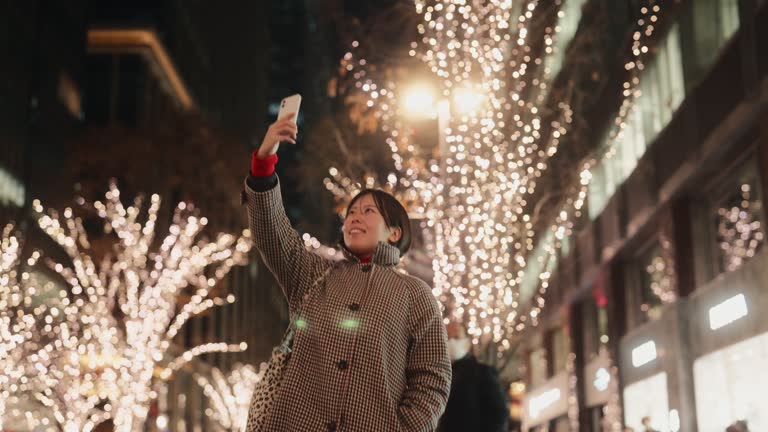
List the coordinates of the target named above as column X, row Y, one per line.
column 428, row 368
column 279, row 245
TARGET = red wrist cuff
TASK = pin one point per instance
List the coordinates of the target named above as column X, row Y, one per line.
column 263, row 167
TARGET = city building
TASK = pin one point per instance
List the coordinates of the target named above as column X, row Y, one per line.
column 652, row 310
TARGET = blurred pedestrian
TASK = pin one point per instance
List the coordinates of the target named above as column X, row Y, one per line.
column 739, row 426
column 477, row 402
column 646, row 422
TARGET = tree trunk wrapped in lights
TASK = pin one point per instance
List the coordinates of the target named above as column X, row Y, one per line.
column 136, row 285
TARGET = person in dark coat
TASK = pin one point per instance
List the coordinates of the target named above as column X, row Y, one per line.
column 477, row 401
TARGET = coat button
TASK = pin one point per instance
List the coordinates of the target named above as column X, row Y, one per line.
column 342, row 365
column 331, row 426
column 354, row 307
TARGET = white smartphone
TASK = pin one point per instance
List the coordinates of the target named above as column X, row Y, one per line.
column 291, row 104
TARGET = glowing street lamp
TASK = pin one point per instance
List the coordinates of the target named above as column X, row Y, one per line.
column 419, row 100
column 466, row 100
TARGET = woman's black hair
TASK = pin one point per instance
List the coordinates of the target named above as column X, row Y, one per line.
column 394, row 215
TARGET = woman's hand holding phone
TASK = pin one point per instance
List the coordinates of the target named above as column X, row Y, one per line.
column 284, row 129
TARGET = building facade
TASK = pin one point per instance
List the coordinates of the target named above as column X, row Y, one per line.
column 653, row 309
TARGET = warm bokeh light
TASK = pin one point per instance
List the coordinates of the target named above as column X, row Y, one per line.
column 492, row 263
column 419, row 100
column 466, row 100
column 230, row 395
column 85, row 339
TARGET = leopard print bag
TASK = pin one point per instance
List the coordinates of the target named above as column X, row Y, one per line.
column 267, row 388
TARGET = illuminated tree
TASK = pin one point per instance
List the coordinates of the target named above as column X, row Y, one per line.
column 15, row 323
column 51, row 346
column 501, row 123
column 134, row 289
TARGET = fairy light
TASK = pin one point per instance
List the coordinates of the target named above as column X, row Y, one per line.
column 378, row 97
column 16, row 323
column 661, row 272
column 50, row 349
column 474, row 238
column 197, row 351
column 143, row 283
column 314, row 245
column 475, row 193
column 573, row 399
column 739, row 229
column 613, row 417
column 474, row 199
column 230, row 395
column 571, row 208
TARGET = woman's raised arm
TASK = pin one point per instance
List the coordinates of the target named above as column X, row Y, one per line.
column 280, row 246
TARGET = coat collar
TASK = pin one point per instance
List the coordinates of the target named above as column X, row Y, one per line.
column 385, row 255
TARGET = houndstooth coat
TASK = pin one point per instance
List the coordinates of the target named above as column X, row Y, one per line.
column 370, row 348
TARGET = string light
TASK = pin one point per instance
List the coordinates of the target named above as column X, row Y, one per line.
column 18, row 318
column 661, row 274
column 571, row 208
column 483, row 230
column 573, row 398
column 475, row 192
column 739, row 231
column 613, row 417
column 57, row 348
column 230, row 395
column 118, row 315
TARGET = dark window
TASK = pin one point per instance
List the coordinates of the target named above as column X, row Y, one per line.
column 98, row 88
column 131, row 90
column 116, row 89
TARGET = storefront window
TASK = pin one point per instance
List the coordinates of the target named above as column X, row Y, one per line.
column 738, row 223
column 729, row 386
column 647, row 398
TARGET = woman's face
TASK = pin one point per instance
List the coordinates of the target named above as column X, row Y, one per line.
column 364, row 227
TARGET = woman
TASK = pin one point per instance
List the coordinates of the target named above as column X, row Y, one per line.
column 370, row 350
